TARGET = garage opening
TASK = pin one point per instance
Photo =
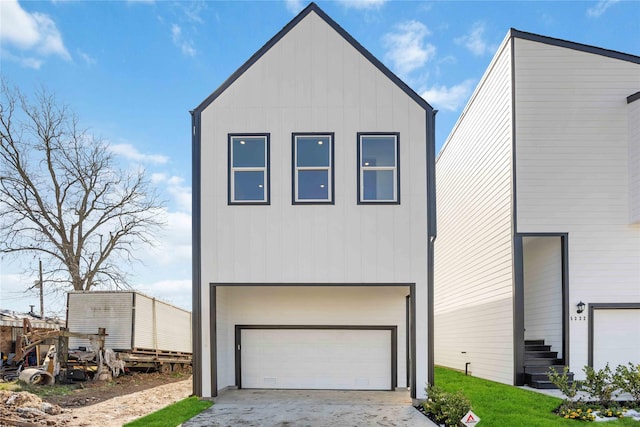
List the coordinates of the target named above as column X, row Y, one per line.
column 614, row 334
column 316, row 357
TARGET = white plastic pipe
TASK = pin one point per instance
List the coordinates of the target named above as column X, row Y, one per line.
column 36, row 377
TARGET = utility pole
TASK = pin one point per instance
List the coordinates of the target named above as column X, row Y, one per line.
column 41, row 292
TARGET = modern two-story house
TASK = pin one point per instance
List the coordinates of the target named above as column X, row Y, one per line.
column 313, row 221
column 537, row 261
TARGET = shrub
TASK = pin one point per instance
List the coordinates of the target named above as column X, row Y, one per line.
column 567, row 387
column 599, row 384
column 602, row 387
column 446, row 408
column 627, row 379
column 612, row 412
column 576, row 411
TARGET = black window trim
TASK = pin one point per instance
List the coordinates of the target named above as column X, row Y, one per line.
column 267, row 189
column 398, row 186
column 331, row 200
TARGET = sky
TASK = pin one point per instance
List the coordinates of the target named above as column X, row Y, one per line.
column 132, row 71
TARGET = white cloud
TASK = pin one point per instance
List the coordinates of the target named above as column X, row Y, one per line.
column 31, row 63
column 186, row 46
column 13, row 292
column 449, row 98
column 176, row 32
column 165, row 271
column 474, row 40
column 130, row 152
column 32, row 32
column 171, row 250
column 89, row 60
column 294, row 6
column 180, row 193
column 192, row 11
column 176, row 238
column 170, row 255
column 157, row 178
column 363, row 4
column 176, row 292
column 25, row 61
column 17, row 292
column 600, row 8
column 406, row 49
column 175, row 187
column 449, row 59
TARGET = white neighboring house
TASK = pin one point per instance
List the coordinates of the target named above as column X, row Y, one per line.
column 539, row 210
column 311, row 221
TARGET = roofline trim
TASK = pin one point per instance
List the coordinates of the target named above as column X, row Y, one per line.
column 633, row 97
column 312, row 7
column 575, row 46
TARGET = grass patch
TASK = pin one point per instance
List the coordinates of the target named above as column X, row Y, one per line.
column 10, row 386
column 173, row 415
column 42, row 391
column 503, row 405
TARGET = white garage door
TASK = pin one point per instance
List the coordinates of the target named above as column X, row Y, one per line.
column 316, row 359
column 616, row 337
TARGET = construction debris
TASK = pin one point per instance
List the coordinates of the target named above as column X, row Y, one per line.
column 25, row 409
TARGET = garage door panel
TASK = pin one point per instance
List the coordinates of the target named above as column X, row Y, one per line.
column 616, row 334
column 316, row 359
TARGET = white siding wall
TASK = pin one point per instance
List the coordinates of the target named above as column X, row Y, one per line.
column 129, row 321
column 144, row 334
column 314, row 81
column 312, row 305
column 173, row 328
column 473, row 261
column 634, row 161
column 542, row 264
column 572, row 170
column 92, row 310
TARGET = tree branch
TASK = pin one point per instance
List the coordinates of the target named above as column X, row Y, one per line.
column 61, row 192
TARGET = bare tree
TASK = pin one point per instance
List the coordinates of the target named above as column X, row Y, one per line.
column 63, row 197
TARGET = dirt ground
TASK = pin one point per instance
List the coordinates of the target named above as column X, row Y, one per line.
column 96, row 403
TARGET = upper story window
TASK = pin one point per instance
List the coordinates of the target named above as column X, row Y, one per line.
column 312, row 168
column 378, row 168
column 248, row 169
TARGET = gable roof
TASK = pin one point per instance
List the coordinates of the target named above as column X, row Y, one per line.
column 517, row 34
column 575, row 46
column 312, row 7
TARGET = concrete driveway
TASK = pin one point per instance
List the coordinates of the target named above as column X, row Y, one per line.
column 312, row 408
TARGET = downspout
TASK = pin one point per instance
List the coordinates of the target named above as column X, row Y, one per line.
column 196, row 289
column 432, row 233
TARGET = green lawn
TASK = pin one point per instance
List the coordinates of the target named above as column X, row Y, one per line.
column 502, row 405
column 173, row 415
column 41, row 391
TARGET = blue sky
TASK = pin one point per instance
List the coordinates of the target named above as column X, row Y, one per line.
column 132, row 70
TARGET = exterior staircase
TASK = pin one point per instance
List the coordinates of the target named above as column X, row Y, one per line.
column 538, row 360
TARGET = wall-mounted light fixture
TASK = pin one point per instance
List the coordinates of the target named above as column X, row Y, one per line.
column 580, row 307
